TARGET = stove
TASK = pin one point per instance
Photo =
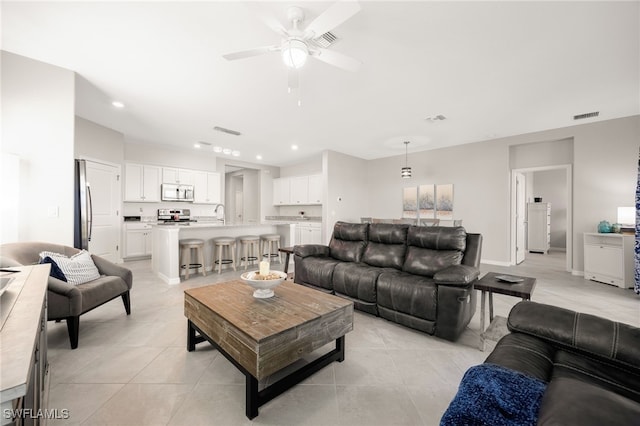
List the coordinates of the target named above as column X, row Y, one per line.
column 175, row 216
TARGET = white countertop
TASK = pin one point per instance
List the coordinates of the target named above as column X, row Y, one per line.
column 206, row 224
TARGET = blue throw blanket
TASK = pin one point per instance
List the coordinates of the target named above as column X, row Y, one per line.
column 491, row 395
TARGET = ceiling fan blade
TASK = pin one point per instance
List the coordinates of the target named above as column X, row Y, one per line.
column 292, row 78
column 261, row 12
column 335, row 15
column 250, row 52
column 337, row 59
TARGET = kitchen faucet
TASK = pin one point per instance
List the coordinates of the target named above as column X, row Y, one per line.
column 220, row 216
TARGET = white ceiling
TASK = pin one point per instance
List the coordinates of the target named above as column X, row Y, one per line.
column 494, row 69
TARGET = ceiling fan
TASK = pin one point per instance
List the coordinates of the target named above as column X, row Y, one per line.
column 300, row 43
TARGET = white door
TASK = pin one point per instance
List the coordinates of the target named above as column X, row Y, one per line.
column 104, row 183
column 521, row 223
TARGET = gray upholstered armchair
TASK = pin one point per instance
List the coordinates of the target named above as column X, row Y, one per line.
column 67, row 301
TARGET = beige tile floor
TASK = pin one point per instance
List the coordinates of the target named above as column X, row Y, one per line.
column 135, row 370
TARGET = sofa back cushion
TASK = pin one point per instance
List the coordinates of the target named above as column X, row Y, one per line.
column 348, row 241
column 433, row 248
column 387, row 245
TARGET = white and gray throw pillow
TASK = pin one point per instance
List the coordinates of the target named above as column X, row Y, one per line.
column 78, row 268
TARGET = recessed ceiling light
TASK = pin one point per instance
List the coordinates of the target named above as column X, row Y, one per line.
column 217, row 149
column 294, row 147
column 235, row 153
column 196, row 145
column 258, row 157
column 226, row 151
column 117, row 104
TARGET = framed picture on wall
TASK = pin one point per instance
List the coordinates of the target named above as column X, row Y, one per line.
column 426, row 201
column 444, row 201
column 410, row 202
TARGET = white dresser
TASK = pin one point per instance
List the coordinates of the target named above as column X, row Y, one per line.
column 608, row 258
column 538, row 227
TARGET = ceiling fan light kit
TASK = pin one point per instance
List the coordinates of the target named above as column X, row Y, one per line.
column 295, row 53
column 299, row 44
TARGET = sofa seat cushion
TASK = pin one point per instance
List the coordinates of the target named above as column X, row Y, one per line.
column 569, row 401
column 316, row 271
column 356, row 280
column 97, row 292
column 409, row 294
column 387, row 245
column 615, row 378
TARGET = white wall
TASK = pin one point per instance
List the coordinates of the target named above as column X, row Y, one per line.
column 160, row 155
column 93, row 141
column 38, row 127
column 346, row 189
column 605, row 162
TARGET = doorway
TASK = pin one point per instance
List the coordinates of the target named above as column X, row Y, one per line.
column 522, row 191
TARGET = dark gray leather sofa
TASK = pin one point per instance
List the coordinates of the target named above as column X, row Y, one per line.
column 421, row 277
column 591, row 365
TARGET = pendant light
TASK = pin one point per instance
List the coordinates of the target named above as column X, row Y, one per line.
column 406, row 170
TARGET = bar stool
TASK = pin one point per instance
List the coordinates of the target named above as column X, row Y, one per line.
column 220, row 245
column 272, row 243
column 249, row 245
column 186, row 246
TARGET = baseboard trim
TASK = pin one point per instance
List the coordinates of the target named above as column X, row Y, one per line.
column 495, row 262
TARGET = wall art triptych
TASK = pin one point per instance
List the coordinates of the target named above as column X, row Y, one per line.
column 428, row 202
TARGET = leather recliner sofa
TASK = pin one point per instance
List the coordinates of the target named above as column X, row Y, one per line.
column 590, row 365
column 417, row 276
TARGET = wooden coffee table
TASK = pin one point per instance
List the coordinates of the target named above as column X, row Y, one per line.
column 263, row 336
column 490, row 284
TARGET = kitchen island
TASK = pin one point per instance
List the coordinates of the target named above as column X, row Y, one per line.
column 165, row 260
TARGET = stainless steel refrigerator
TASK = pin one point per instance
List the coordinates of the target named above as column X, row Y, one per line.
column 83, row 212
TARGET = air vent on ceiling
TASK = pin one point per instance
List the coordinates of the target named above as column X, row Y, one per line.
column 229, row 131
column 434, row 118
column 204, row 143
column 587, row 115
column 325, row 40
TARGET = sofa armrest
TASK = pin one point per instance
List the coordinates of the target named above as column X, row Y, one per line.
column 64, row 299
column 311, row 250
column 106, row 267
column 457, row 275
column 578, row 332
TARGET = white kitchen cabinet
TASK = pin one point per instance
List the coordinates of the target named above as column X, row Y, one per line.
column 178, row 176
column 299, row 190
column 281, row 191
column 142, row 183
column 308, row 233
column 538, row 227
column 137, row 240
column 608, row 258
column 315, row 189
column 206, row 188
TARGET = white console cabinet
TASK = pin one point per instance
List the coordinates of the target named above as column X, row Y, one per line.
column 608, row 258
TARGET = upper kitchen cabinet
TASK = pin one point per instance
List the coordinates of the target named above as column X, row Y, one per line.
column 206, row 188
column 181, row 176
column 298, row 190
column 281, row 191
column 142, row 183
column 315, row 189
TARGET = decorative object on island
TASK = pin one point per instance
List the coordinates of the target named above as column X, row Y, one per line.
column 406, row 170
column 589, row 365
column 604, row 227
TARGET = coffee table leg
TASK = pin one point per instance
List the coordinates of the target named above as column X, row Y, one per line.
column 251, row 389
column 191, row 337
column 340, row 348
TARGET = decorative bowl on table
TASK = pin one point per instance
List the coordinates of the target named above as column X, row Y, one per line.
column 263, row 284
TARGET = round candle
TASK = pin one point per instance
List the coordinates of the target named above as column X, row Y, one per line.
column 264, row 267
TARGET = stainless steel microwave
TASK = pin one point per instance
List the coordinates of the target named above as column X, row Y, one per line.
column 175, row 192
